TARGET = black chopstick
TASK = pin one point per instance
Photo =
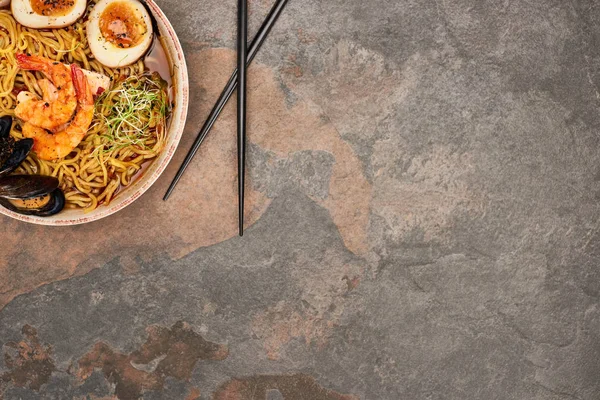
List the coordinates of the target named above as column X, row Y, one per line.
column 256, row 44
column 242, row 49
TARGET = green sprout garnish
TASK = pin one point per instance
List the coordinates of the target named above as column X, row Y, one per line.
column 132, row 112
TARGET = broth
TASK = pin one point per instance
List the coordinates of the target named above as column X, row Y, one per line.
column 157, row 60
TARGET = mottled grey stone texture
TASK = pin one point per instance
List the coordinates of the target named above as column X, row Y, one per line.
column 476, row 274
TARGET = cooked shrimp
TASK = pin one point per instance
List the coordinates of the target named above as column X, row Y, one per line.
column 52, row 146
column 59, row 102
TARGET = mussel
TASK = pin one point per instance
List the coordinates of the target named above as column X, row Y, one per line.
column 27, row 186
column 32, row 195
column 5, row 125
column 25, row 194
column 13, row 153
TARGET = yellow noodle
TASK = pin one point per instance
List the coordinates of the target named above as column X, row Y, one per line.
column 95, row 172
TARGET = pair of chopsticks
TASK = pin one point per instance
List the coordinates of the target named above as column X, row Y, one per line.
column 238, row 77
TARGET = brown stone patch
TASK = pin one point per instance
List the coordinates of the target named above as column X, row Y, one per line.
column 325, row 283
column 194, row 394
column 202, row 211
column 292, row 67
column 280, row 324
column 166, row 353
column 291, row 387
column 29, row 362
column 306, row 37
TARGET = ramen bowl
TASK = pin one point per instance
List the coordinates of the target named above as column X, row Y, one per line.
column 151, row 171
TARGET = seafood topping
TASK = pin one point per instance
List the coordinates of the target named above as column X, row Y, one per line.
column 59, row 100
column 52, row 146
column 20, row 151
column 5, row 125
column 27, row 186
column 43, row 206
column 25, row 194
column 7, row 145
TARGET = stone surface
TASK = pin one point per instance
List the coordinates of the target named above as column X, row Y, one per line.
column 423, row 208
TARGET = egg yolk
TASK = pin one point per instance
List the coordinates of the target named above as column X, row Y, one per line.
column 52, row 8
column 121, row 25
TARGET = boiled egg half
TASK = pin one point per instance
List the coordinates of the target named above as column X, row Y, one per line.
column 119, row 32
column 41, row 14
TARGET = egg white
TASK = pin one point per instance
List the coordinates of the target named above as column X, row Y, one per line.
column 107, row 53
column 24, row 14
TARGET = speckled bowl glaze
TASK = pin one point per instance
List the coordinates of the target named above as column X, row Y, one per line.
column 157, row 167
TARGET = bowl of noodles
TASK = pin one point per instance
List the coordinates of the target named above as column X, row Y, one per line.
column 114, row 147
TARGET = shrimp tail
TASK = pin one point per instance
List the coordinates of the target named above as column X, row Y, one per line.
column 31, row 62
column 82, row 89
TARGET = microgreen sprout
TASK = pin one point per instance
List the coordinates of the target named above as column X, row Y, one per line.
column 137, row 110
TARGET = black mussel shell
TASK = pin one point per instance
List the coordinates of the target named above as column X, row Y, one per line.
column 27, row 186
column 55, row 205
column 7, row 146
column 20, row 151
column 5, row 125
